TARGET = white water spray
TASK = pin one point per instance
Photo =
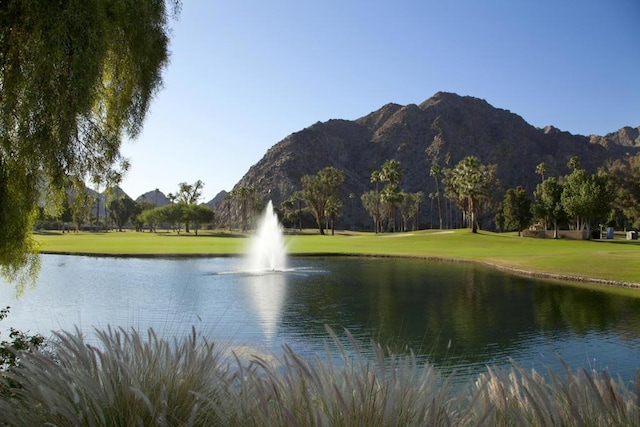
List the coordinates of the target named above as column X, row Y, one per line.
column 267, row 251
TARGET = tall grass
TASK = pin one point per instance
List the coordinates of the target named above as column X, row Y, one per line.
column 133, row 379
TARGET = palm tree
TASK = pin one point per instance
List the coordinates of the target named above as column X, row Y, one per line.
column 245, row 197
column 435, row 172
column 541, row 169
column 392, row 173
column 371, row 202
column 97, row 179
column 468, row 183
column 418, row 199
column 376, row 176
column 574, row 163
column 374, row 202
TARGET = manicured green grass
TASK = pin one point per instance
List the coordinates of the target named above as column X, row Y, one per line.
column 133, row 243
column 617, row 260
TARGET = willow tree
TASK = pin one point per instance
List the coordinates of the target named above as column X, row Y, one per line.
column 76, row 77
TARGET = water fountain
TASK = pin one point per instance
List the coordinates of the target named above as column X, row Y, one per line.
column 267, row 251
column 266, row 262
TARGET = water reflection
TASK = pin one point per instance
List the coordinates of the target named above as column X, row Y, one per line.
column 457, row 316
column 266, row 293
column 461, row 315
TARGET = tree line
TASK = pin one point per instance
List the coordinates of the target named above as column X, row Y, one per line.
column 81, row 210
column 467, row 195
column 470, row 195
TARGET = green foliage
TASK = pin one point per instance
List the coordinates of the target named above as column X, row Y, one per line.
column 320, row 193
column 435, row 171
column 391, row 173
column 173, row 215
column 409, row 207
column 176, row 214
column 121, row 209
column 292, row 210
column 75, row 77
column 199, row 215
column 18, row 259
column 516, row 208
column 372, row 203
column 245, row 201
column 187, row 195
column 151, row 217
column 138, row 218
column 11, row 351
column 625, row 187
column 548, row 202
column 541, row 169
column 469, row 184
column 586, row 197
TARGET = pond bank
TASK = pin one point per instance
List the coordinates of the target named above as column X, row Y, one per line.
column 513, row 270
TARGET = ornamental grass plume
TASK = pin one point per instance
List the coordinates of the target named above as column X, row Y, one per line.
column 519, row 397
column 134, row 379
column 127, row 379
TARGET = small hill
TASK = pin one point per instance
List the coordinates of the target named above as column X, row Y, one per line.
column 155, row 197
column 217, row 199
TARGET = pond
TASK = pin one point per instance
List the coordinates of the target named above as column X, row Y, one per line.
column 460, row 317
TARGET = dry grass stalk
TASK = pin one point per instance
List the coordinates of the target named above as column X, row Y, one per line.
column 129, row 379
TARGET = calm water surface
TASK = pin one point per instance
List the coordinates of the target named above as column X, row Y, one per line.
column 457, row 316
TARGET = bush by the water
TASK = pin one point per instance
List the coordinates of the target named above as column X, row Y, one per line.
column 128, row 378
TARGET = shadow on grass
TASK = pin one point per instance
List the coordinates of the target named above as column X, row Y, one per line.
column 222, row 234
column 71, row 232
column 620, row 242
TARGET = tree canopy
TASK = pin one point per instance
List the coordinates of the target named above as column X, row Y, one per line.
column 469, row 183
column 516, row 208
column 548, row 203
column 586, row 197
column 320, row 193
column 75, row 78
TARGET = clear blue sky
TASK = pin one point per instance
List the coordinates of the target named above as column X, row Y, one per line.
column 245, row 74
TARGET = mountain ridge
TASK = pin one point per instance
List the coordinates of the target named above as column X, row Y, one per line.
column 444, row 128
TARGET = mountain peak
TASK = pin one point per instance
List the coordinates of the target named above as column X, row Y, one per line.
column 445, row 128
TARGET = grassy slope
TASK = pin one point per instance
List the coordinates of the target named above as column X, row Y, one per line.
column 617, row 260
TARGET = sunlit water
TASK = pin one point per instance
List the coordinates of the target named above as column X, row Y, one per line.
column 457, row 316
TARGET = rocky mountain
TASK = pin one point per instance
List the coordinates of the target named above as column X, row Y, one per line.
column 627, row 136
column 155, row 197
column 443, row 129
column 217, row 199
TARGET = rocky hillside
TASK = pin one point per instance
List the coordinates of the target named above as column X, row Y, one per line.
column 445, row 128
column 155, row 197
column 217, row 199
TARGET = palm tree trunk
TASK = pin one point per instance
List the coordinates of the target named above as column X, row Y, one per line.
column 472, row 212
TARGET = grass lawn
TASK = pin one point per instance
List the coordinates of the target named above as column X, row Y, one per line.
column 615, row 260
